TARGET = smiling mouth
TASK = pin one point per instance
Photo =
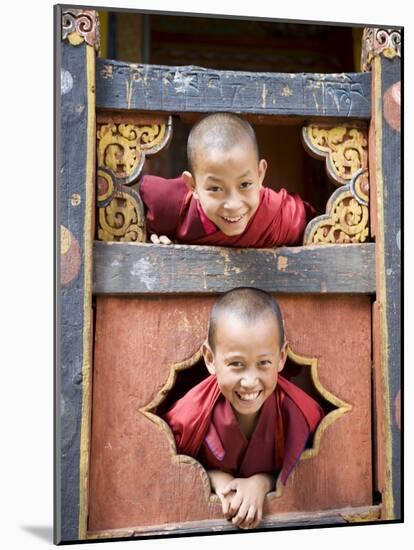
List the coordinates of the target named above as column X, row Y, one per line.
column 248, row 396
column 236, row 219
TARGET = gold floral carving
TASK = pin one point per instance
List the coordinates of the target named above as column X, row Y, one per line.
column 80, row 26
column 345, row 150
column 346, row 221
column 120, row 211
column 123, row 147
column 378, row 41
column 121, row 152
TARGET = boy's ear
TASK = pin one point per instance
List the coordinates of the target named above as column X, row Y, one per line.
column 189, row 181
column 208, row 358
column 283, row 356
column 262, row 170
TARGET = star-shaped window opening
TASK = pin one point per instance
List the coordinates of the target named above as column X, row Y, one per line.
column 302, row 371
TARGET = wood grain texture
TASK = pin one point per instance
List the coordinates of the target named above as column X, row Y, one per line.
column 386, row 138
column 136, row 479
column 74, row 183
column 125, row 268
column 121, row 85
column 379, row 424
column 331, row 517
column 391, row 171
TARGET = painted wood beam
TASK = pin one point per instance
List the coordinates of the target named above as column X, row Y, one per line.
column 136, row 268
column 121, row 85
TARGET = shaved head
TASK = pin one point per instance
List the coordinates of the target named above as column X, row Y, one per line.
column 218, row 131
column 249, row 305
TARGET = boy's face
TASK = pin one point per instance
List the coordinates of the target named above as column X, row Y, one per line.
column 228, row 184
column 246, row 361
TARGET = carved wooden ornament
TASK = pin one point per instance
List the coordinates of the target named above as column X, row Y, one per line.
column 347, row 212
column 345, row 150
column 123, row 147
column 121, row 152
column 120, row 210
column 346, row 219
column 80, row 26
column 378, row 41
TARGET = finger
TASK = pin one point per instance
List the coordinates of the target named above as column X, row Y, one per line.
column 259, row 517
column 240, row 517
column 225, row 505
column 154, row 239
column 235, row 503
column 231, row 486
column 249, row 521
column 164, row 239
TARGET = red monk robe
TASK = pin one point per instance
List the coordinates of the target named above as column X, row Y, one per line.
column 172, row 210
column 205, row 427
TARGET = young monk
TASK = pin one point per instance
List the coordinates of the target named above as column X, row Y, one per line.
column 245, row 423
column 220, row 200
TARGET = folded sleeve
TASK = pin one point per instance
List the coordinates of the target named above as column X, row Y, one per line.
column 294, row 214
column 163, row 200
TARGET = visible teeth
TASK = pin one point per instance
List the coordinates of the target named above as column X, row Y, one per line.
column 233, row 220
column 248, row 396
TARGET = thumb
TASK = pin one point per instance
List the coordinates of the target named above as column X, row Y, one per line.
column 231, row 486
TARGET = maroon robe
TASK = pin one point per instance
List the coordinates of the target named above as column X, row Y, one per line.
column 205, row 427
column 172, row 210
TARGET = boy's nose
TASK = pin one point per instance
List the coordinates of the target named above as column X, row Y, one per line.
column 248, row 382
column 232, row 202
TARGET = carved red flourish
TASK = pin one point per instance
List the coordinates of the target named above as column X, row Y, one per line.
column 83, row 22
column 378, row 41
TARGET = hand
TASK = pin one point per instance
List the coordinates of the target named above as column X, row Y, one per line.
column 219, row 480
column 162, row 239
column 245, row 497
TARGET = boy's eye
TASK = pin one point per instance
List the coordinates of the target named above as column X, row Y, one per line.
column 236, row 364
column 214, row 188
column 265, row 363
column 246, row 185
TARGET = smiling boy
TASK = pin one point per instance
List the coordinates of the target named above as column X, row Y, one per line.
column 245, row 423
column 220, row 200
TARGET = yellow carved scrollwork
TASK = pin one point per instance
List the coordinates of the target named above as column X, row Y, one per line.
column 347, row 213
column 119, row 220
column 120, row 214
column 345, row 150
column 123, row 147
column 121, row 152
column 346, row 221
column 117, row 148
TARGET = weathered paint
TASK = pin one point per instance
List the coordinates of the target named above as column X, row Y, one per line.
column 74, row 183
column 386, row 139
column 137, row 480
column 87, row 315
column 123, row 85
column 361, row 514
column 125, row 268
